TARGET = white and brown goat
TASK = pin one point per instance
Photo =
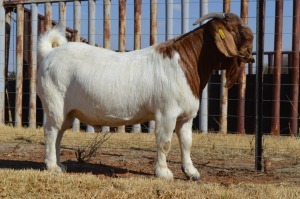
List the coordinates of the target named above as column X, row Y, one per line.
column 163, row 82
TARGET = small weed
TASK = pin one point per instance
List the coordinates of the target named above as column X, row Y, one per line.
column 22, row 140
column 252, row 145
column 89, row 150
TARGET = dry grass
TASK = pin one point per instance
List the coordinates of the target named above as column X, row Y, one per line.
column 35, row 184
column 231, row 150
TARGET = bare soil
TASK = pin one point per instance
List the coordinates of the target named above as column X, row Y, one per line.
column 124, row 162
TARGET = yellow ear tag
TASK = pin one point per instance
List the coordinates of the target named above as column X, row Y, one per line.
column 221, row 33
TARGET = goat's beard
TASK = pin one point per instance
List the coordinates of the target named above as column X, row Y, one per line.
column 232, row 72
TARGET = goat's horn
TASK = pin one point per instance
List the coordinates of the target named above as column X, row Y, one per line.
column 219, row 15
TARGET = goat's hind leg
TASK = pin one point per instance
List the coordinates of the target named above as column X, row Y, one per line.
column 51, row 133
column 184, row 134
column 54, row 130
column 66, row 125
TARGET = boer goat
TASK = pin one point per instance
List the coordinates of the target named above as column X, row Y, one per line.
column 163, row 82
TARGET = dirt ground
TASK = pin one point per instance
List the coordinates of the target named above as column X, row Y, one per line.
column 138, row 161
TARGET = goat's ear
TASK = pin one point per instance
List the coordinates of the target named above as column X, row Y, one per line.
column 224, row 40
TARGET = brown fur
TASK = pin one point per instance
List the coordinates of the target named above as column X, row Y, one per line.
column 203, row 50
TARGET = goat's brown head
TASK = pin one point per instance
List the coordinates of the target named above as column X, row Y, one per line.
column 234, row 39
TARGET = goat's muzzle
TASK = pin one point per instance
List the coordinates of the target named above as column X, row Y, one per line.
column 246, row 58
column 249, row 59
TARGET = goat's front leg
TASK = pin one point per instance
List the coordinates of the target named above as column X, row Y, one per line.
column 184, row 134
column 163, row 130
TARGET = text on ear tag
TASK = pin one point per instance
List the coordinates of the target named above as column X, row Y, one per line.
column 221, row 33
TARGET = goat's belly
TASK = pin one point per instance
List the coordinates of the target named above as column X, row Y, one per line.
column 112, row 119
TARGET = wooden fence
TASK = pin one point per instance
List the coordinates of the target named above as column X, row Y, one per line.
column 19, row 93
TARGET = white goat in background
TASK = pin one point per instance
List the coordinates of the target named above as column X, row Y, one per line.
column 163, row 82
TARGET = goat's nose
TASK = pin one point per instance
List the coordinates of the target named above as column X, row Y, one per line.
column 251, row 59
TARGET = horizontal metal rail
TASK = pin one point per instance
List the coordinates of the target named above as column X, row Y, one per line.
column 16, row 2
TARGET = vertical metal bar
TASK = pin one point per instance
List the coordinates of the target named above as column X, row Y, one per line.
column 153, row 40
column 242, row 80
column 2, row 62
column 106, row 41
column 185, row 16
column 91, row 36
column 106, row 13
column 169, row 19
column 223, row 89
column 122, row 25
column 19, row 73
column 260, row 26
column 270, row 63
column 62, row 14
column 204, row 101
column 295, row 68
column 137, row 40
column 33, row 65
column 48, row 16
column 275, row 124
column 77, row 26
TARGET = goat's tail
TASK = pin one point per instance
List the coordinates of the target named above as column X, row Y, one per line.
column 49, row 40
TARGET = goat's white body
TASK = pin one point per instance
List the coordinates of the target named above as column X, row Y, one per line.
column 109, row 88
column 103, row 87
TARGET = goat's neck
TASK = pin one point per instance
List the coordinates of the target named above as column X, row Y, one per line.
column 196, row 64
column 199, row 56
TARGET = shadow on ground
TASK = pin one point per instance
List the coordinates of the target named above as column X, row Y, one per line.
column 72, row 167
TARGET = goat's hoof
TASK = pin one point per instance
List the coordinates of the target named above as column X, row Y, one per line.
column 54, row 168
column 62, row 167
column 195, row 178
column 164, row 173
column 191, row 173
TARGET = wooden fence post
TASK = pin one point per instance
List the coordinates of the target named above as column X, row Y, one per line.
column 153, row 40
column 33, row 65
column 169, row 19
column 19, row 73
column 106, row 38
column 106, row 28
column 137, row 40
column 242, row 80
column 122, row 37
column 223, row 89
column 2, row 62
column 275, row 125
column 91, row 36
column 77, row 27
column 295, row 69
column 204, row 101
